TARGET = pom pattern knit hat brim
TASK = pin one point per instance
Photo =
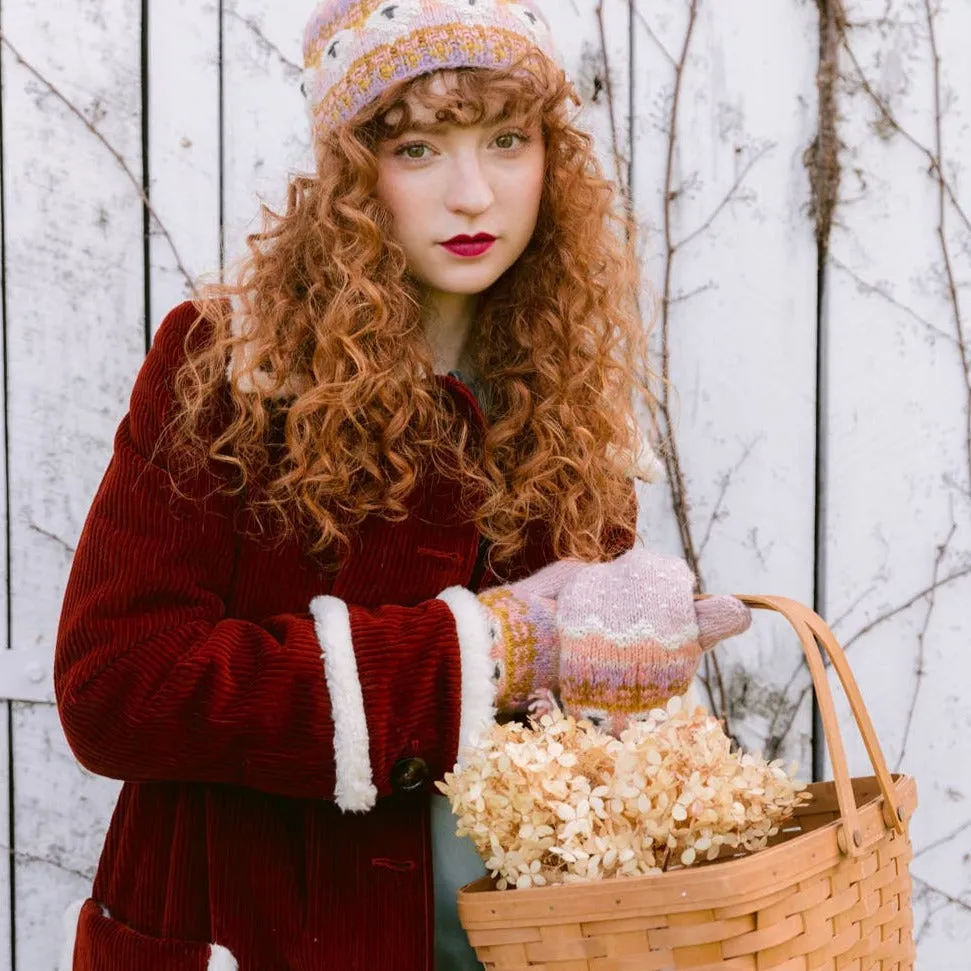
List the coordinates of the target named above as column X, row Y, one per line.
column 354, row 50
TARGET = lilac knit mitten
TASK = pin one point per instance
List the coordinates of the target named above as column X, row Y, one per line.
column 525, row 641
column 632, row 636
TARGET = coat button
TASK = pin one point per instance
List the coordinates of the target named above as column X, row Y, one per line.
column 409, row 775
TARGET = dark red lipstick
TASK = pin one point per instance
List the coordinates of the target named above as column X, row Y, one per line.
column 470, row 246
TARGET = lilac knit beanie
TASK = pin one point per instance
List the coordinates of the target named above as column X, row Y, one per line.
column 356, row 49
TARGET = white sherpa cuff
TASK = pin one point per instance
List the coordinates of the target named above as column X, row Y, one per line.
column 354, row 789
column 478, row 689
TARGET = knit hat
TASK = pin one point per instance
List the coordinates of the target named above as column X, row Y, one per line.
column 355, row 49
column 632, row 635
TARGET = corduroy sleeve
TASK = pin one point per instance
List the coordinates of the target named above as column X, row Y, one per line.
column 155, row 682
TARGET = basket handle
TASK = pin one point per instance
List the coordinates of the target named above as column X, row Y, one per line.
column 813, row 631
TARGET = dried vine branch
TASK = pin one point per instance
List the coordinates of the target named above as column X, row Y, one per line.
column 293, row 69
column 944, row 840
column 942, row 192
column 822, row 156
column 115, row 154
column 620, row 163
column 775, row 737
column 919, row 670
column 47, row 534
column 669, row 443
column 663, row 415
column 947, row 196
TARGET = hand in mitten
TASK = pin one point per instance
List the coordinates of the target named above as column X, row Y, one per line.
column 525, row 643
column 632, row 636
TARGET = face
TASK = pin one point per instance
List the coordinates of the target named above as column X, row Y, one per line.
column 443, row 182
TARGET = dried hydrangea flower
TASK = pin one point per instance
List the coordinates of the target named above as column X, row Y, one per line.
column 560, row 801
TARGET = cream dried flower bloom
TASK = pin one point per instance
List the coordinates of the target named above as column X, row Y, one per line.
column 562, row 802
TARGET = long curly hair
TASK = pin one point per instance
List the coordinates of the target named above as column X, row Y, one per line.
column 334, row 412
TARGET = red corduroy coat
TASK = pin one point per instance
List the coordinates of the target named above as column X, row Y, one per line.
column 277, row 725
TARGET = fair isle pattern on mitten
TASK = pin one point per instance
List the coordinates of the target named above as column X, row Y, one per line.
column 523, row 637
column 630, row 636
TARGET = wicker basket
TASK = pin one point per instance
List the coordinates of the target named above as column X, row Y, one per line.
column 832, row 893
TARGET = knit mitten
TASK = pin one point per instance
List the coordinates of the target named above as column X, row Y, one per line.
column 632, row 636
column 525, row 642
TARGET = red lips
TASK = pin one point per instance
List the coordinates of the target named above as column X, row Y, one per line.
column 480, row 238
column 469, row 247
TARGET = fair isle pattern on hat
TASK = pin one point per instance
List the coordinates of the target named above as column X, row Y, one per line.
column 356, row 49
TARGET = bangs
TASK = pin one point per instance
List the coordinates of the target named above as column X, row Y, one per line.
column 466, row 96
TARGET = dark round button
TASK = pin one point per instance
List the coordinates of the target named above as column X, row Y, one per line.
column 409, row 775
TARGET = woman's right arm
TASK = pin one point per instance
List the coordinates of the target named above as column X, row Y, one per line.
column 154, row 682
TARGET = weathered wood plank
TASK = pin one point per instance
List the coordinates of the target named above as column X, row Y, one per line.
column 6, row 868
column 184, row 148
column 266, row 128
column 75, row 337
column 741, row 314
column 897, row 475
column 62, row 813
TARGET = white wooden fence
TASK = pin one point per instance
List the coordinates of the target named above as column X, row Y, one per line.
column 801, row 174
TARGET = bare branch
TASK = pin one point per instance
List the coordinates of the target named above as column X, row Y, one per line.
column 292, row 68
column 876, row 622
column 115, row 154
column 922, row 637
column 34, row 528
column 964, row 827
column 691, row 294
column 727, row 198
column 942, row 190
column 619, row 161
column 890, row 614
column 724, row 486
column 653, row 35
column 878, row 291
column 890, row 120
column 48, row 861
column 956, row 901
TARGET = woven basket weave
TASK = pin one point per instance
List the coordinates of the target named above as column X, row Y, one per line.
column 832, row 893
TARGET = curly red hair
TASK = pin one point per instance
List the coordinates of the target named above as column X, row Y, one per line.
column 334, row 410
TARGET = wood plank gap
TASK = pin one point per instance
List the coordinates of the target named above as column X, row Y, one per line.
column 631, row 105
column 11, row 835
column 10, row 877
column 822, row 409
column 222, row 141
column 146, row 179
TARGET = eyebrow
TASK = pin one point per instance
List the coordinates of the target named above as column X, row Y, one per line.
column 426, row 127
column 437, row 127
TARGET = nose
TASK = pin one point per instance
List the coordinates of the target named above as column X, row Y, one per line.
column 468, row 191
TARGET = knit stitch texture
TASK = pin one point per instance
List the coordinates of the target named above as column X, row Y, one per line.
column 355, row 49
column 631, row 636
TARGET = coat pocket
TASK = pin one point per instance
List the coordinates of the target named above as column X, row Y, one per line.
column 101, row 943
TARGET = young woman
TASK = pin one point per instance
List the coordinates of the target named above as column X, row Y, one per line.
column 419, row 389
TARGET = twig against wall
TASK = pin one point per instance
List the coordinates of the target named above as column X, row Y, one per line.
column 947, row 201
column 291, row 67
column 135, row 180
column 673, row 192
column 823, row 163
column 790, row 709
column 919, row 669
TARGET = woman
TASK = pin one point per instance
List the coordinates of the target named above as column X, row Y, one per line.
column 420, row 388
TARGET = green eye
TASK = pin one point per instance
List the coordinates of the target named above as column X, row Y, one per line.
column 508, row 140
